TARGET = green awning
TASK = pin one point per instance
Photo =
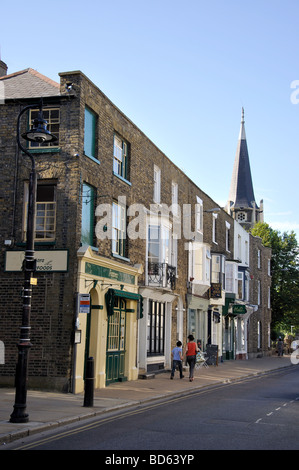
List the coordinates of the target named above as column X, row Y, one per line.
column 112, row 293
column 126, row 295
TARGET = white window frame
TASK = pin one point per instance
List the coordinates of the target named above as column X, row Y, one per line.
column 218, row 269
column 120, row 156
column 174, row 197
column 53, row 125
column 166, row 242
column 215, row 216
column 227, row 236
column 239, row 248
column 259, row 259
column 199, row 215
column 199, row 263
column 42, row 211
column 119, row 216
column 258, row 334
column 157, row 185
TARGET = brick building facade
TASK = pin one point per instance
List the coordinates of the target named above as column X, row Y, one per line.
column 260, row 284
column 105, row 235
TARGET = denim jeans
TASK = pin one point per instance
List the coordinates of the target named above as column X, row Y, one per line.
column 191, row 361
column 174, row 365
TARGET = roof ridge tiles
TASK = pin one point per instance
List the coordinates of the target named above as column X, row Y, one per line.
column 43, row 77
column 14, row 74
column 32, row 72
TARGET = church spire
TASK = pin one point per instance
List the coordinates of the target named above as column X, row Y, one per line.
column 241, row 190
column 241, row 202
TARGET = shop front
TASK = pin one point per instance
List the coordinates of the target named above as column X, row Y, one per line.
column 235, row 328
column 107, row 314
column 228, row 328
column 197, row 322
column 155, row 339
column 242, row 312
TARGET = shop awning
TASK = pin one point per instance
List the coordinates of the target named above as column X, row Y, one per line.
column 112, row 293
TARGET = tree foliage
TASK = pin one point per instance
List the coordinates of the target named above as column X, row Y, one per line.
column 285, row 275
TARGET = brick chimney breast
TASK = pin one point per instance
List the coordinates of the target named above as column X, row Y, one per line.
column 3, row 69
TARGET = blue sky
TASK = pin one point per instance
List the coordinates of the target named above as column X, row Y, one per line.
column 181, row 71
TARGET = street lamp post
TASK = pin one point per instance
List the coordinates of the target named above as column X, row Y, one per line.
column 38, row 133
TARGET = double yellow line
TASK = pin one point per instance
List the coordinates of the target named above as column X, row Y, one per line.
column 103, row 421
column 144, row 408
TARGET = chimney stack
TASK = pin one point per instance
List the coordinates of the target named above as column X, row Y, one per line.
column 3, row 69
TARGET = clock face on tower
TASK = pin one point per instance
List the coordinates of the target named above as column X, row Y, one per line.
column 241, row 217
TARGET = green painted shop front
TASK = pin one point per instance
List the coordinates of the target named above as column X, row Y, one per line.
column 116, row 341
column 117, row 311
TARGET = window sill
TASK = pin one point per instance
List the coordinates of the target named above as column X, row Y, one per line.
column 93, row 248
column 122, row 178
column 93, row 159
column 123, row 258
column 44, row 150
column 37, row 243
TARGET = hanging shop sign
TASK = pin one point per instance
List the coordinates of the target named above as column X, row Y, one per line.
column 216, row 290
column 46, row 261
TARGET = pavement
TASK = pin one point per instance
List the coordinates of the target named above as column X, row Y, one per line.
column 49, row 410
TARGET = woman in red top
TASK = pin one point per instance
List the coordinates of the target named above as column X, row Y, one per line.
column 191, row 350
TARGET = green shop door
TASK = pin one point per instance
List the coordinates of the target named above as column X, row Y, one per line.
column 116, row 339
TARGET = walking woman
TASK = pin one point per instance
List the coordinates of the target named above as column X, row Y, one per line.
column 191, row 350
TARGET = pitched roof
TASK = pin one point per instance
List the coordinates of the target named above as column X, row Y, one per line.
column 28, row 83
column 241, row 189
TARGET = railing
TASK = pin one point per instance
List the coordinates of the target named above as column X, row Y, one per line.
column 161, row 275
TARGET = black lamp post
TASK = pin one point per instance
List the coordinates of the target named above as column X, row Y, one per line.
column 40, row 134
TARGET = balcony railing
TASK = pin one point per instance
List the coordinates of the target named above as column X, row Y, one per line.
column 161, row 275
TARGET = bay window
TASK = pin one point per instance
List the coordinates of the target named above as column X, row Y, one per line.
column 199, row 267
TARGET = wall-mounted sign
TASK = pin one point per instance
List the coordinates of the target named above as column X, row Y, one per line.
column 239, row 309
column 102, row 271
column 216, row 290
column 78, row 336
column 46, row 261
column 83, row 302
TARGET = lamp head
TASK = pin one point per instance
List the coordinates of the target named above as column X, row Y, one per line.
column 39, row 132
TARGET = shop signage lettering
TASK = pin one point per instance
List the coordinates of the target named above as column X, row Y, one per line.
column 239, row 309
column 46, row 261
column 101, row 271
